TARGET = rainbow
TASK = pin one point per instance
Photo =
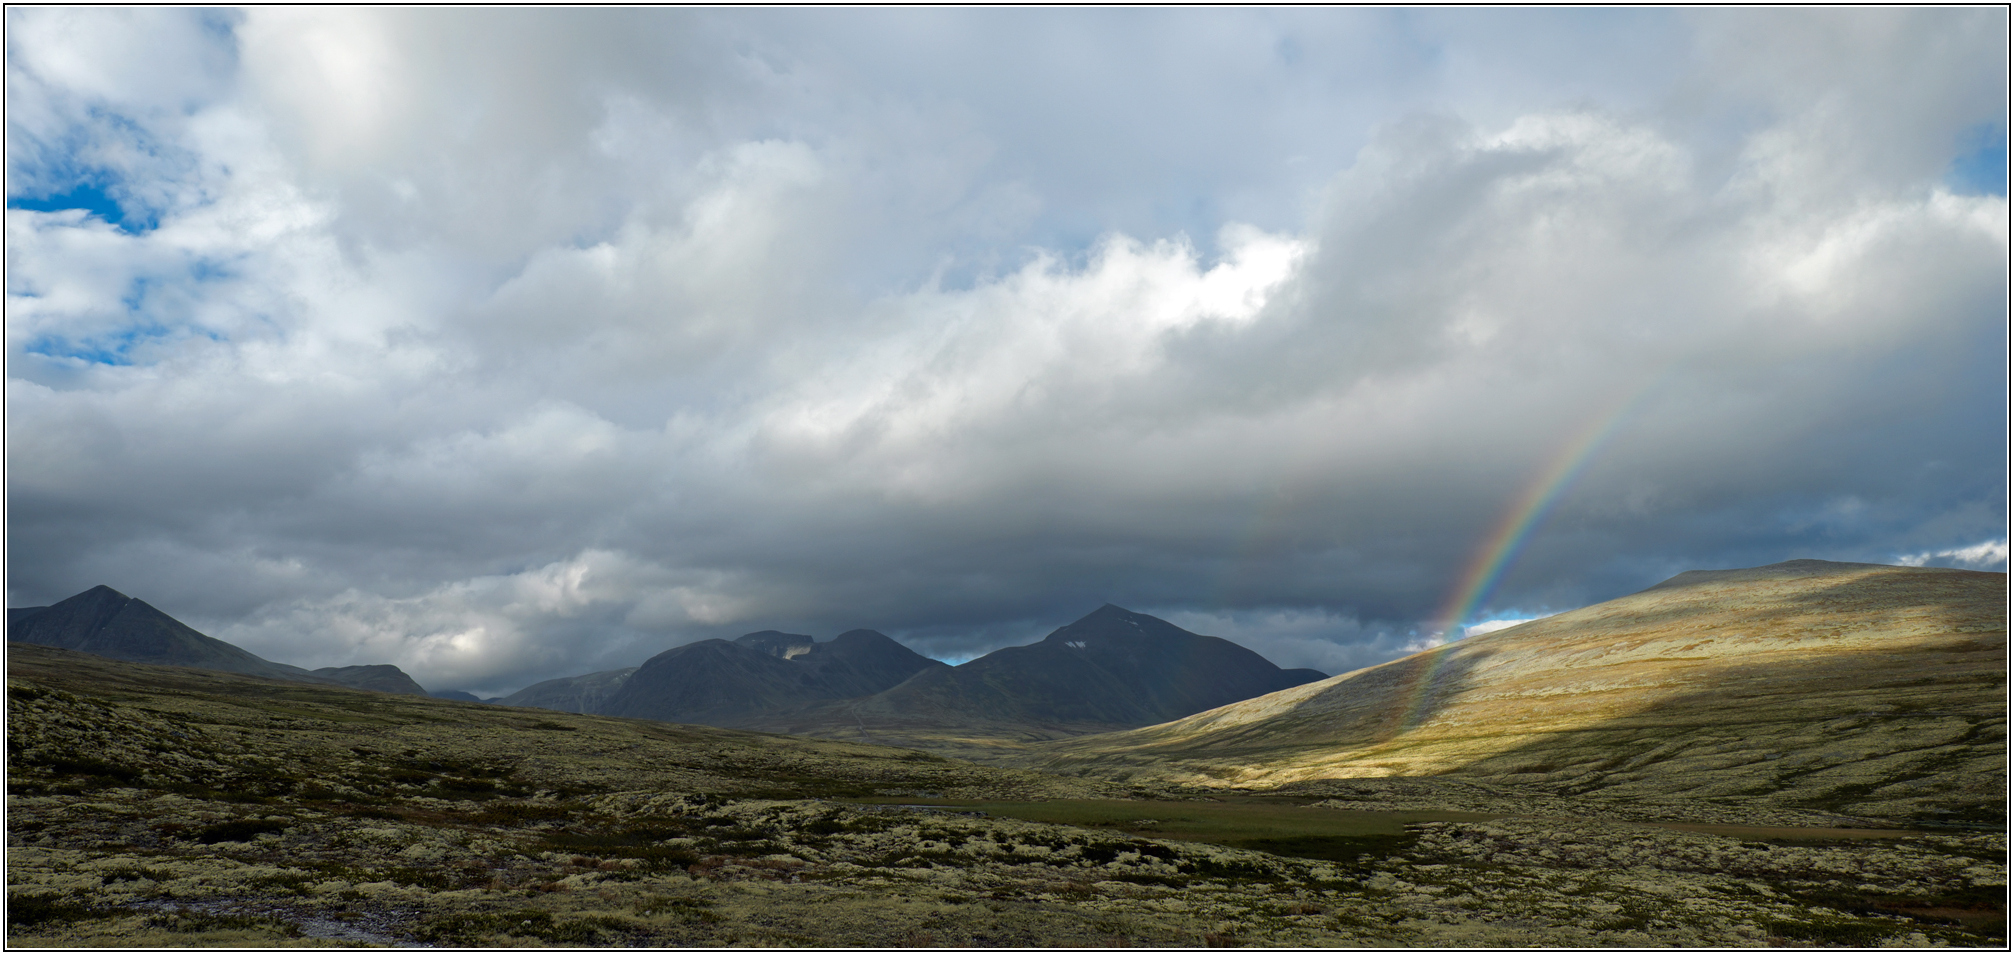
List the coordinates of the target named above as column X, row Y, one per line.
column 1503, row 545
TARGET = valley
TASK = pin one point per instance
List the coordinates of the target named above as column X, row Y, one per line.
column 1806, row 754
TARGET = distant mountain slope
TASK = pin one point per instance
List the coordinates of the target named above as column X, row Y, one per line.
column 463, row 696
column 110, row 624
column 776, row 643
column 571, row 694
column 1851, row 686
column 1114, row 668
column 382, row 677
column 863, row 662
column 107, row 623
column 719, row 683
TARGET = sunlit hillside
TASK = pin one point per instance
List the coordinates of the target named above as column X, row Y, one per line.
column 1856, row 687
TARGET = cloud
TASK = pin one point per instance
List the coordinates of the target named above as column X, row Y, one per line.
column 1985, row 555
column 1503, row 623
column 500, row 343
column 573, row 613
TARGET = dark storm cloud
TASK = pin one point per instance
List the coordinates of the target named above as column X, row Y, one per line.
column 505, row 344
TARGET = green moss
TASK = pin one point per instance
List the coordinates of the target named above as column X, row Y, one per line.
column 643, row 844
column 1354, row 852
column 134, row 874
column 469, row 929
column 1848, row 933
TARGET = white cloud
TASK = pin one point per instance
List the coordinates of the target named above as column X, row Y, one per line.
column 1425, row 641
column 1985, row 555
column 493, row 632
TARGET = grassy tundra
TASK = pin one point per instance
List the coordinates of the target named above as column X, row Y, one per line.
column 171, row 807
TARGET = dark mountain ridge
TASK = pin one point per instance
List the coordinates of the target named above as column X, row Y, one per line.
column 729, row 683
column 107, row 623
column 571, row 694
column 1112, row 668
column 382, row 677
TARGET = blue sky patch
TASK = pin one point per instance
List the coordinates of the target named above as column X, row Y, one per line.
column 91, row 198
column 86, row 196
column 114, row 349
column 1981, row 166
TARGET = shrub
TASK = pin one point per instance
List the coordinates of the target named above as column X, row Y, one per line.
column 30, row 911
column 240, row 830
column 518, row 814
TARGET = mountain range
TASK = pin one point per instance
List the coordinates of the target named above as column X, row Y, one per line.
column 1113, row 669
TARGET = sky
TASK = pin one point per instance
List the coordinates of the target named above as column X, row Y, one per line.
column 516, row 343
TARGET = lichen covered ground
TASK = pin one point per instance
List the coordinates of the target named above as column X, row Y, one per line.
column 207, row 810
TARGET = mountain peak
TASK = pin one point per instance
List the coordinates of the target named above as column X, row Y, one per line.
column 776, row 643
column 1112, row 667
column 714, row 681
column 110, row 624
column 864, row 637
column 1112, row 622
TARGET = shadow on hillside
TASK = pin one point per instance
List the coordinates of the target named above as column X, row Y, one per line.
column 1763, row 732
column 1859, row 591
column 1371, row 710
column 1956, row 591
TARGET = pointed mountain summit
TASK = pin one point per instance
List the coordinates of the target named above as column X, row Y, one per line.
column 107, row 623
column 110, row 624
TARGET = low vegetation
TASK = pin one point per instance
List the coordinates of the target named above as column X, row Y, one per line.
column 1847, row 688
column 162, row 807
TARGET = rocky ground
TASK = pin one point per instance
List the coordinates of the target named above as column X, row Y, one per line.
column 207, row 810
